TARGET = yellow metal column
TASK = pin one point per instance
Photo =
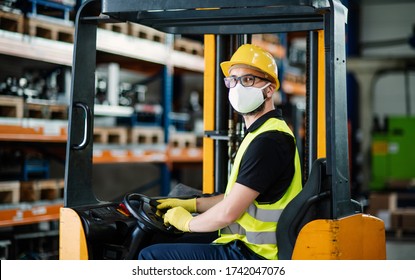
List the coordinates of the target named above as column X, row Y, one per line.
column 209, row 114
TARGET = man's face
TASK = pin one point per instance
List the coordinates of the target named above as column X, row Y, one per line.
column 243, row 96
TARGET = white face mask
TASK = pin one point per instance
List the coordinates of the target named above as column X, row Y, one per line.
column 246, row 99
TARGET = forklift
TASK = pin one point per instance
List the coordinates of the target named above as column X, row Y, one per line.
column 322, row 222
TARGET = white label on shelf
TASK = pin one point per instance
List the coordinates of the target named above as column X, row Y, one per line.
column 52, row 129
column 39, row 210
column 193, row 152
column 158, row 157
column 97, row 153
column 176, row 151
column 118, row 153
column 19, row 215
column 137, row 152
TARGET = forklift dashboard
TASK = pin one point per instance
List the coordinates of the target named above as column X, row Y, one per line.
column 121, row 230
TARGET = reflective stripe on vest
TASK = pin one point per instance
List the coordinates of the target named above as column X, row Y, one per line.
column 257, row 226
column 261, row 237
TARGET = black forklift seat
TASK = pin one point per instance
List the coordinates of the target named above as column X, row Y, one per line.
column 311, row 203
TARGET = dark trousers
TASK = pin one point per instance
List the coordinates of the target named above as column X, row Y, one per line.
column 235, row 250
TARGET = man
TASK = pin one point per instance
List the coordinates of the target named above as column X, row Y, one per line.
column 265, row 177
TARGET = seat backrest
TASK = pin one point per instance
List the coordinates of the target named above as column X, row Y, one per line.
column 313, row 202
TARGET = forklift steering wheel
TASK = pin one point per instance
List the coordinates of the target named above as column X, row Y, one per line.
column 144, row 210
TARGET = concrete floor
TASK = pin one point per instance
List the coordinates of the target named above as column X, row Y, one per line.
column 403, row 249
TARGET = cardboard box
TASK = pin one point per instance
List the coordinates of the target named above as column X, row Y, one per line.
column 382, row 201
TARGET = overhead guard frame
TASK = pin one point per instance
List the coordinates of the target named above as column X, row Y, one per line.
column 220, row 17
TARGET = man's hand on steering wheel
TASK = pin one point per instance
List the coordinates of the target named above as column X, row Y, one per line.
column 168, row 203
column 145, row 211
column 160, row 213
column 179, row 218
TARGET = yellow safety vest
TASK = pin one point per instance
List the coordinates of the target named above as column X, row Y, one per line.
column 257, row 226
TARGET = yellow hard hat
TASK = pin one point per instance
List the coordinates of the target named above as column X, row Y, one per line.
column 256, row 57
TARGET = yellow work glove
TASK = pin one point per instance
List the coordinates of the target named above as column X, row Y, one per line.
column 179, row 218
column 167, row 203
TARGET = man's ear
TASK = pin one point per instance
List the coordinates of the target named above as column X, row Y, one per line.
column 270, row 90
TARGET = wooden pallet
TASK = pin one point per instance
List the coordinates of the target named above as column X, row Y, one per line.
column 183, row 140
column 46, row 111
column 403, row 221
column 115, row 27
column 9, row 192
column 294, row 84
column 60, row 185
column 145, row 32
column 53, row 30
column 270, row 44
column 111, row 135
column 11, row 106
column 36, row 190
column 12, row 22
column 269, row 38
column 147, row 135
column 189, row 46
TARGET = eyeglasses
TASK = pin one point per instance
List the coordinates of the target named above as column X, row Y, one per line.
column 245, row 80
